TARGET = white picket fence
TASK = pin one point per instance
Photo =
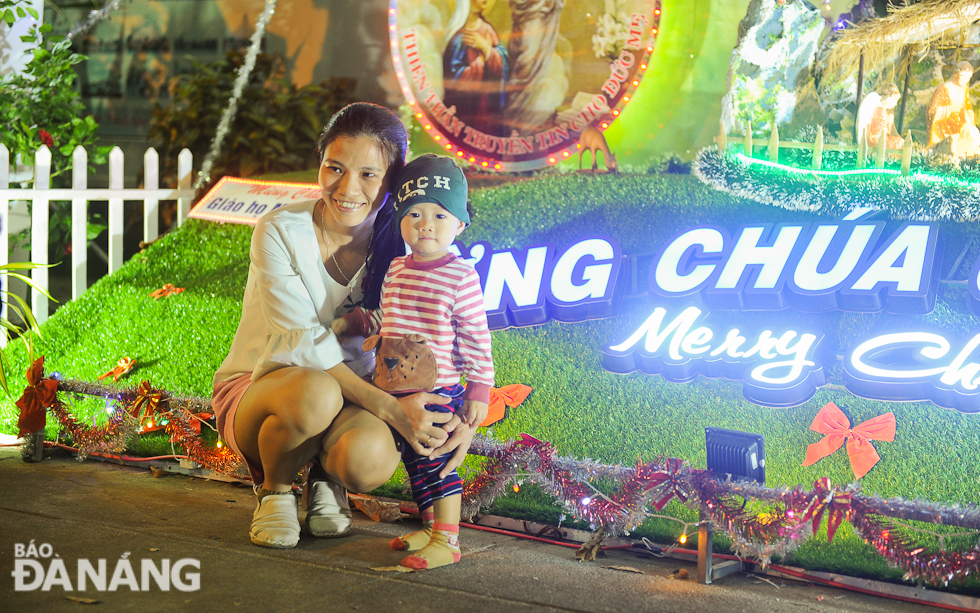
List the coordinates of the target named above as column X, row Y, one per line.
column 80, row 195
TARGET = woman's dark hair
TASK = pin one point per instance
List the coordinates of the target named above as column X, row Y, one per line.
column 378, row 123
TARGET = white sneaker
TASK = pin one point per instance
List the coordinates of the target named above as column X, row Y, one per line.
column 275, row 522
column 327, row 509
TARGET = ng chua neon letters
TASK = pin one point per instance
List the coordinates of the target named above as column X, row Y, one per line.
column 808, row 267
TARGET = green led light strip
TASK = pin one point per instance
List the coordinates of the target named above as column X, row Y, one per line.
column 916, row 176
column 806, row 171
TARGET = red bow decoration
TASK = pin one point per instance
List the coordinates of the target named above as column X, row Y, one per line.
column 669, row 479
column 146, row 402
column 826, row 498
column 831, row 421
column 167, row 290
column 507, row 396
column 39, row 394
column 123, row 366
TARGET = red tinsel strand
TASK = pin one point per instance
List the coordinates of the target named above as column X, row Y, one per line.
column 938, row 567
column 222, row 459
column 775, row 531
column 111, row 437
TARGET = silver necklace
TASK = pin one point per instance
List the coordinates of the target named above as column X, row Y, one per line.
column 326, row 237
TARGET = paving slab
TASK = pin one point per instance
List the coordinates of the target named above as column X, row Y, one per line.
column 92, row 510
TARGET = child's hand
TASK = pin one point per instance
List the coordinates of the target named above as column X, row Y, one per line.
column 339, row 326
column 475, row 412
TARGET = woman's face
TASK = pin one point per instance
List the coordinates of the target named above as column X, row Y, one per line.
column 890, row 101
column 353, row 181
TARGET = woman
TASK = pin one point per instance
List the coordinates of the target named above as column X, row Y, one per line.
column 289, row 392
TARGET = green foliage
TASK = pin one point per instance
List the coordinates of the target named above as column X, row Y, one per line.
column 43, row 100
column 42, row 106
column 275, row 128
column 179, row 342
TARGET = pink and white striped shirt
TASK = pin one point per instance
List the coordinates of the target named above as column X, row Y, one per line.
column 442, row 301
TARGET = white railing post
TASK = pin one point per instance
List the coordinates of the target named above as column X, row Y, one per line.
column 79, row 223
column 39, row 232
column 115, row 211
column 185, row 160
column 151, row 206
column 4, row 230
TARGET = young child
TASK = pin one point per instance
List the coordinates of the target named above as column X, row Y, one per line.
column 432, row 293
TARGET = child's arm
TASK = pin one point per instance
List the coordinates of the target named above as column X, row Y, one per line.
column 473, row 344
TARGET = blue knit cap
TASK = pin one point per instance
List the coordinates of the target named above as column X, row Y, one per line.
column 432, row 178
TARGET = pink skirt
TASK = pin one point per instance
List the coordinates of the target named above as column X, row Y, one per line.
column 224, row 403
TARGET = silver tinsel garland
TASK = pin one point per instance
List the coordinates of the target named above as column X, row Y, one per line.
column 963, row 516
column 93, row 18
column 916, row 198
column 240, row 82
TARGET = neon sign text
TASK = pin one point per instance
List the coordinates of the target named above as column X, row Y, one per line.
column 776, row 369
column 809, row 267
column 525, row 287
column 914, row 366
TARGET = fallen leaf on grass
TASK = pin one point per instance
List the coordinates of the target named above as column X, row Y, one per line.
column 820, row 598
column 397, row 569
column 82, row 600
column 678, row 574
column 157, row 472
column 627, row 569
column 154, row 549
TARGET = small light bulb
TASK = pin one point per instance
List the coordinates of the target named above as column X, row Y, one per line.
column 683, row 538
column 586, row 501
column 517, row 488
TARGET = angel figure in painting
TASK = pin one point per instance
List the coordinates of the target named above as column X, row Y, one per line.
column 877, row 115
column 475, row 68
column 951, row 115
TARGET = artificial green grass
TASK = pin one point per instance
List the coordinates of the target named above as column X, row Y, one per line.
column 586, row 412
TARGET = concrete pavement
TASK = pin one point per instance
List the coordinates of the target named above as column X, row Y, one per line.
column 91, row 510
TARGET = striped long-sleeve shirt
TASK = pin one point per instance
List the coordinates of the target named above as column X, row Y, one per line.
column 442, row 301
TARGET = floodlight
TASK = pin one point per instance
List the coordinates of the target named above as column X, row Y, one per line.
column 739, row 454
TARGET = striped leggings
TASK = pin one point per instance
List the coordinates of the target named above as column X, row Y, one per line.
column 423, row 472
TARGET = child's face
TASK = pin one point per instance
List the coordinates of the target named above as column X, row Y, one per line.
column 429, row 230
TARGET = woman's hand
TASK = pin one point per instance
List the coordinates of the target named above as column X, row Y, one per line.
column 458, row 444
column 424, row 430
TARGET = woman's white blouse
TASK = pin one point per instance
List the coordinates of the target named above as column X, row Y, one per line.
column 290, row 301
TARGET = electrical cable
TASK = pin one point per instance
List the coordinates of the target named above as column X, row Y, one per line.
column 775, row 567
